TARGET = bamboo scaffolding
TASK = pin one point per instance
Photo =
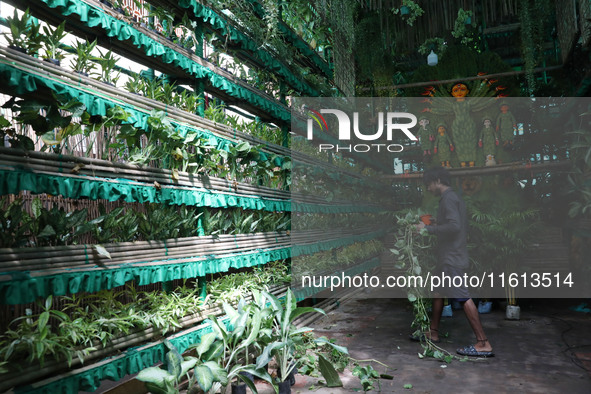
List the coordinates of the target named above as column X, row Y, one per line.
column 45, row 261
column 69, row 170
column 55, row 367
column 70, row 166
column 91, row 86
column 145, row 104
column 463, row 79
column 295, row 236
column 139, row 55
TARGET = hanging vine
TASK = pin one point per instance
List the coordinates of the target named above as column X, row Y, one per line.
column 533, row 16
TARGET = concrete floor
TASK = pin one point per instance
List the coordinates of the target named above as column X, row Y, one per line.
column 547, row 351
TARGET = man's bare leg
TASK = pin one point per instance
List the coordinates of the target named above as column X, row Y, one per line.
column 482, row 343
column 437, row 308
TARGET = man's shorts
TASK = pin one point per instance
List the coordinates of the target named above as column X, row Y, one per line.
column 452, row 283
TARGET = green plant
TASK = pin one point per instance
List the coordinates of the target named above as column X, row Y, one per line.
column 579, row 178
column 108, row 63
column 165, row 18
column 51, row 40
column 17, row 141
column 412, row 12
column 55, row 226
column 84, row 62
column 414, row 254
column 113, row 136
column 14, row 223
column 58, row 114
column 321, row 356
column 367, row 375
column 166, row 381
column 436, row 44
column 238, row 337
column 461, row 30
column 159, row 222
column 24, row 32
column 502, row 235
column 36, row 337
column 285, row 334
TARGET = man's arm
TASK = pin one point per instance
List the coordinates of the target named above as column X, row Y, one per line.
column 451, row 223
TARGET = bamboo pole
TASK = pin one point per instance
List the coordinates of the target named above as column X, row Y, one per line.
column 464, row 79
column 294, row 236
column 38, row 260
column 145, row 245
column 92, row 167
column 137, row 101
column 247, row 191
column 493, row 170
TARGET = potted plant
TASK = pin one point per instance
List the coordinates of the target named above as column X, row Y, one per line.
column 237, row 339
column 285, row 337
column 462, row 26
column 107, row 61
column 24, row 33
column 166, row 20
column 51, row 41
column 84, row 62
column 410, row 10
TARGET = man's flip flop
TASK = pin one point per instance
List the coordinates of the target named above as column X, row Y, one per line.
column 421, row 338
column 471, row 351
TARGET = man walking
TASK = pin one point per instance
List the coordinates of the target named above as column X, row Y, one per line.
column 451, row 227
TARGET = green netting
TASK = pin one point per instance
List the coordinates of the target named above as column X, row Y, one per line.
column 305, row 49
column 134, row 360
column 122, row 31
column 23, row 288
column 21, row 82
column 218, row 23
column 115, row 368
column 14, row 181
column 95, row 188
column 352, row 208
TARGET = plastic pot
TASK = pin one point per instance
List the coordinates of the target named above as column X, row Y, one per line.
column 19, row 49
column 291, row 378
column 484, row 307
column 248, row 376
column 512, row 312
column 239, row 388
column 55, row 62
column 284, row 387
column 447, row 311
